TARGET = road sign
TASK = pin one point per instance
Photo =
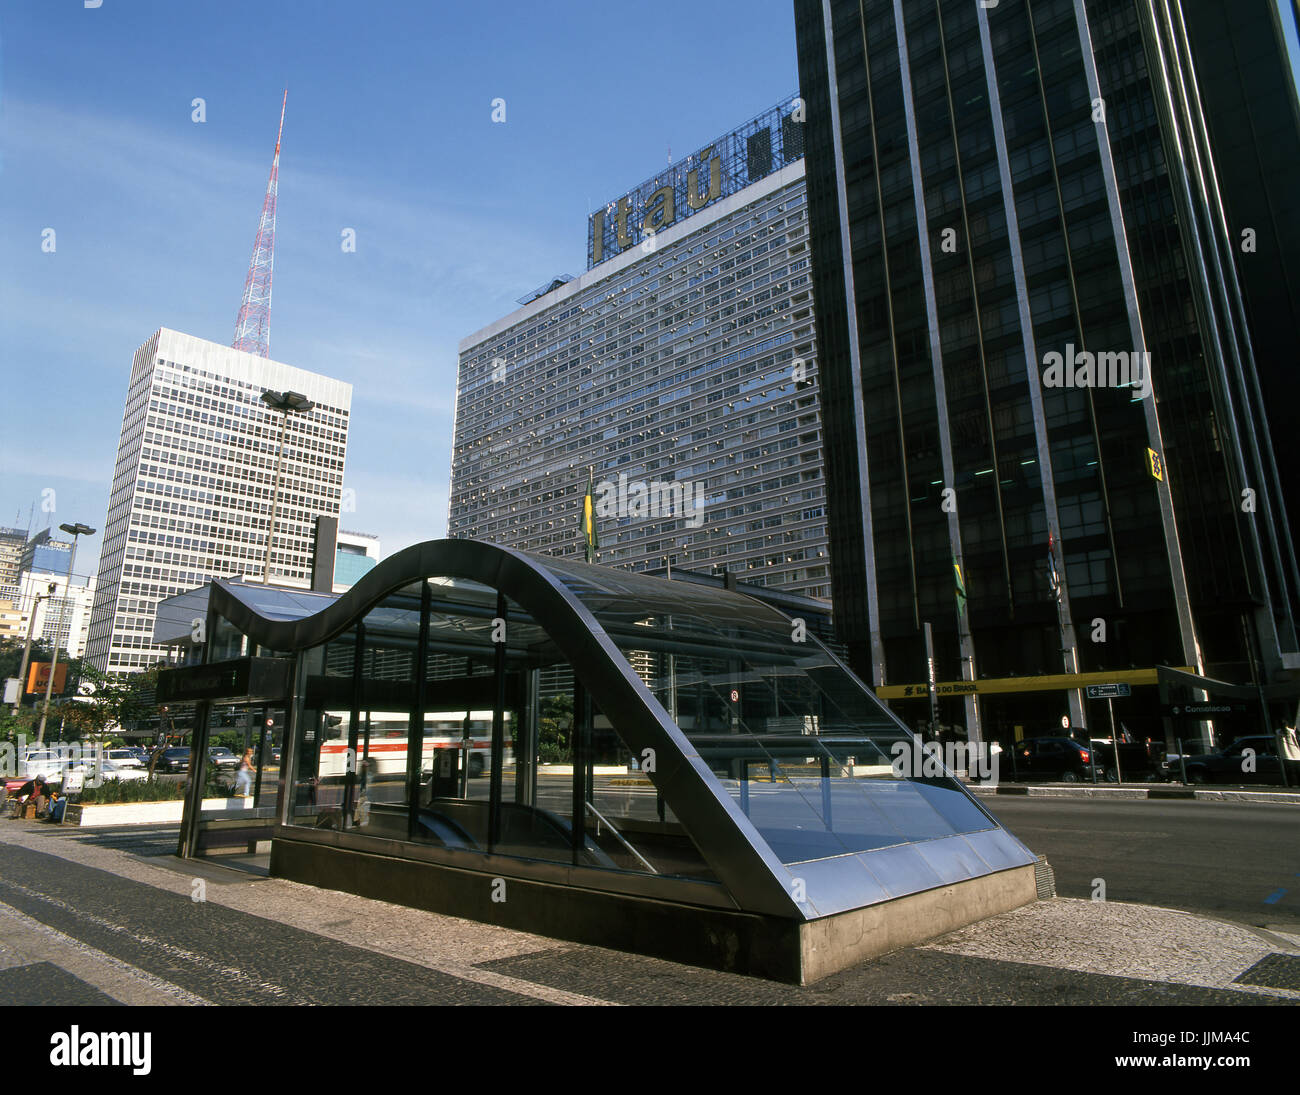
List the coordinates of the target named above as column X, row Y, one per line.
column 1108, row 691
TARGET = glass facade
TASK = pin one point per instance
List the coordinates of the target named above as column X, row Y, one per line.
column 707, row 750
column 683, row 362
column 989, row 187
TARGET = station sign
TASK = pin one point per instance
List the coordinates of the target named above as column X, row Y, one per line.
column 1203, row 710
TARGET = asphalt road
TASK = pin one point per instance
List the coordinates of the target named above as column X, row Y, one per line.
column 1233, row 861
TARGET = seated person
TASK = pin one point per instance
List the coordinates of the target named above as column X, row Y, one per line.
column 35, row 791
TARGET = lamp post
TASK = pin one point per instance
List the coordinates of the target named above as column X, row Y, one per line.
column 286, row 403
column 75, row 531
column 27, row 646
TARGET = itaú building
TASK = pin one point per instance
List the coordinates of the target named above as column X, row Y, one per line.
column 730, row 802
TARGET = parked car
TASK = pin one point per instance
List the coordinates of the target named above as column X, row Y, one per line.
column 111, row 769
column 1049, row 758
column 49, row 763
column 1233, row 765
column 175, row 758
column 1139, row 761
column 222, row 759
column 124, row 758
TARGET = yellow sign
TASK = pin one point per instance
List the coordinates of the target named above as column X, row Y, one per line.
column 657, row 210
column 1156, row 464
column 1048, row 683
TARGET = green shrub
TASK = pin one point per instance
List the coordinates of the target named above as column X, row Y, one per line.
column 132, row 790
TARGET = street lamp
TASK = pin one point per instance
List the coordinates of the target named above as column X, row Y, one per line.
column 27, row 646
column 74, row 531
column 286, row 403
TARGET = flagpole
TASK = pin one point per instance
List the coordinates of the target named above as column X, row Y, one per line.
column 966, row 648
column 589, row 518
column 1069, row 648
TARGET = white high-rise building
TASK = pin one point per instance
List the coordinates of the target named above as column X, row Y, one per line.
column 62, row 618
column 192, row 489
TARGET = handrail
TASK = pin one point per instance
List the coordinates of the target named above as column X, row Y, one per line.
column 620, row 838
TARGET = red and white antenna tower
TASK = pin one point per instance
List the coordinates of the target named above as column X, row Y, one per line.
column 253, row 327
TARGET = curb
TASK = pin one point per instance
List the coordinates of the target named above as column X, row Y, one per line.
column 1291, row 798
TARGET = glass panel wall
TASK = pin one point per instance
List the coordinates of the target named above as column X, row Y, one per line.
column 378, row 696
column 810, row 756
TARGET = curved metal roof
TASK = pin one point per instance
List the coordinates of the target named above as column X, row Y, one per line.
column 793, row 862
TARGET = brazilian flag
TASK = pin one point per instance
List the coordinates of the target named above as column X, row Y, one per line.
column 961, row 586
column 590, row 538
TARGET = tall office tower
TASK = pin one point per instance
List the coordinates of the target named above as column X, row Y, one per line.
column 1251, row 102
column 1019, row 221
column 192, row 490
column 678, row 375
column 46, row 554
column 12, row 543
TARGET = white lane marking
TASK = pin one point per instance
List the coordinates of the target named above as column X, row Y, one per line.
column 230, row 973
column 107, row 984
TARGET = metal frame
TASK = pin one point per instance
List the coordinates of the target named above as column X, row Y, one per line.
column 739, row 856
column 731, row 151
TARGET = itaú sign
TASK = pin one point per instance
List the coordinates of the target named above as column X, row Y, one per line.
column 634, row 218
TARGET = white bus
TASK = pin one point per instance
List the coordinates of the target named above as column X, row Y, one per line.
column 385, row 752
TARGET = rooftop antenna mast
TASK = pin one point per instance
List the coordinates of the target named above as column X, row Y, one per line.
column 253, row 327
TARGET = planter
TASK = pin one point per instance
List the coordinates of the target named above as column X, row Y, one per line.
column 95, row 814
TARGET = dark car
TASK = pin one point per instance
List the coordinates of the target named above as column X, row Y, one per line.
column 1139, row 761
column 1061, row 759
column 222, row 759
column 1247, row 760
column 173, row 759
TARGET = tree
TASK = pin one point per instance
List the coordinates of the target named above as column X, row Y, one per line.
column 555, row 729
column 107, row 701
column 16, row 724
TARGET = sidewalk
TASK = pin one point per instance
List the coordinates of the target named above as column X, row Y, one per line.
column 85, row 906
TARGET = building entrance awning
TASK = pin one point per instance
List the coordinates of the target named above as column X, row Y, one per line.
column 1186, row 676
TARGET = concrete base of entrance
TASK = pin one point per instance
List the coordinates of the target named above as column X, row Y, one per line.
column 714, row 938
column 834, row 943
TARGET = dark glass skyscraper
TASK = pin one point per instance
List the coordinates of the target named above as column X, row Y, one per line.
column 1043, row 375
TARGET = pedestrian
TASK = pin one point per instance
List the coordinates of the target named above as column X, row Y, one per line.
column 33, row 791
column 244, row 780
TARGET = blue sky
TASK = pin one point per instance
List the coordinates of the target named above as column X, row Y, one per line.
column 388, row 131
